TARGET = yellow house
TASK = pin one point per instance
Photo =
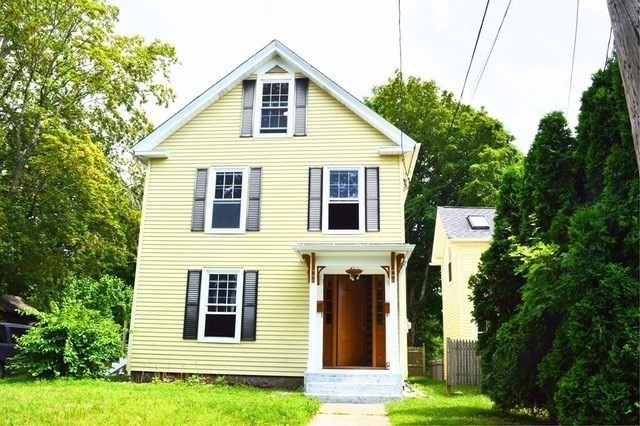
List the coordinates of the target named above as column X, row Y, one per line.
column 272, row 244
column 461, row 235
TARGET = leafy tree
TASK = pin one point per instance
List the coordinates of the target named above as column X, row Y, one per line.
column 459, row 163
column 71, row 97
column 75, row 219
column 109, row 295
column 71, row 340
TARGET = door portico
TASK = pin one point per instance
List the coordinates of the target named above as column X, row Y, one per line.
column 355, row 324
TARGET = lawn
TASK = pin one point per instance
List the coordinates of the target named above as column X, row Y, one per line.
column 469, row 408
column 69, row 402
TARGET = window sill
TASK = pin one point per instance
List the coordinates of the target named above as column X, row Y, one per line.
column 218, row 340
column 343, row 232
column 225, row 231
column 272, row 135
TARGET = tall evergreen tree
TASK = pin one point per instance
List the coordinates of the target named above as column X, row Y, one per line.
column 572, row 347
column 496, row 288
column 524, row 334
column 592, row 375
column 549, row 178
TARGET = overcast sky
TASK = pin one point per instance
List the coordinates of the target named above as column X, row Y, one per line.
column 355, row 43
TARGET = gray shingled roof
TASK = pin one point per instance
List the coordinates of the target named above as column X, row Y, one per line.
column 456, row 224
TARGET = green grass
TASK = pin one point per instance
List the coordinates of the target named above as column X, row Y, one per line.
column 470, row 408
column 88, row 402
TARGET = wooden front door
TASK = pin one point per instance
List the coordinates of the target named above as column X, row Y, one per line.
column 351, row 327
column 354, row 321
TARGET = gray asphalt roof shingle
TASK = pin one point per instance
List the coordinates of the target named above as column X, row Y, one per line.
column 456, row 224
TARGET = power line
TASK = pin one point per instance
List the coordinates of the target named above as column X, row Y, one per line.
column 573, row 57
column 404, row 163
column 606, row 56
column 484, row 66
column 453, row 119
column 402, row 97
column 400, row 33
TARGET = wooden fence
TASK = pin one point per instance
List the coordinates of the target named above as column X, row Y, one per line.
column 436, row 369
column 416, row 361
column 462, row 363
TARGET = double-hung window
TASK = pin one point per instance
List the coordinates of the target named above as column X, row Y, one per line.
column 274, row 107
column 344, row 199
column 227, row 197
column 274, row 104
column 221, row 305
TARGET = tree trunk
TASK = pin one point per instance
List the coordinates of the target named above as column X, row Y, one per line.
column 425, row 279
column 625, row 20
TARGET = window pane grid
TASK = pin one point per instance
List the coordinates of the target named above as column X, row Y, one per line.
column 222, row 293
column 228, row 186
column 275, row 104
column 343, row 184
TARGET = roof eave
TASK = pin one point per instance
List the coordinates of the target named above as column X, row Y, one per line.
column 471, row 240
column 148, row 155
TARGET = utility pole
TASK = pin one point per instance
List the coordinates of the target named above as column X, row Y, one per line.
column 625, row 20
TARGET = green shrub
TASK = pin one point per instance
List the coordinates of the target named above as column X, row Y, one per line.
column 109, row 295
column 71, row 340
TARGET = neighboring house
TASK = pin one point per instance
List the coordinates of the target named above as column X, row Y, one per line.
column 14, row 309
column 461, row 235
column 272, row 243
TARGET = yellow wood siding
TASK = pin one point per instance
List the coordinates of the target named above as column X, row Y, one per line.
column 168, row 248
column 456, row 305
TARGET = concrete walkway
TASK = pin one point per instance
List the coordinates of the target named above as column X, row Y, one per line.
column 351, row 414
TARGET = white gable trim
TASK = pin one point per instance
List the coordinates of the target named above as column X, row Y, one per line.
column 250, row 66
column 146, row 155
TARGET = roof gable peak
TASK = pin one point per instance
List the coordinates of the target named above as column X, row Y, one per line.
column 261, row 58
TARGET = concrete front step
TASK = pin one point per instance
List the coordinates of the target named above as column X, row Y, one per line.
column 346, row 388
column 354, row 386
column 354, row 399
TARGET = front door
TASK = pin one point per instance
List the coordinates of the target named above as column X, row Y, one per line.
column 354, row 321
column 351, row 327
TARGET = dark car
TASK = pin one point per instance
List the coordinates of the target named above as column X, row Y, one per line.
column 8, row 334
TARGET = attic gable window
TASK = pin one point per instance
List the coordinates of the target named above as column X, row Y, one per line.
column 274, row 103
column 478, row 222
column 274, row 109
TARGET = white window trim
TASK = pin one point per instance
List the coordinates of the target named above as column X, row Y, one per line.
column 325, row 200
column 211, row 187
column 204, row 297
column 263, row 77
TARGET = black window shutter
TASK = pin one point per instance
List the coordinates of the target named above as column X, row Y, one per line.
column 249, row 306
column 190, row 327
column 255, row 188
column 372, row 198
column 314, row 216
column 302, row 87
column 248, row 93
column 199, row 196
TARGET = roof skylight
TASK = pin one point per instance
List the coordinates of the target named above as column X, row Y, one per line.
column 478, row 221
